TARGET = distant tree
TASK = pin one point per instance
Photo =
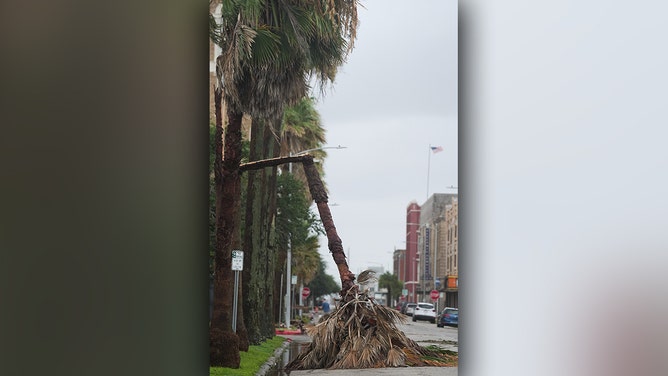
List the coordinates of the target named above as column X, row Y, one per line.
column 323, row 283
column 294, row 220
column 305, row 259
column 392, row 284
column 302, row 129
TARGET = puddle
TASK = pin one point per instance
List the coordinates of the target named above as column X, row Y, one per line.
column 290, row 353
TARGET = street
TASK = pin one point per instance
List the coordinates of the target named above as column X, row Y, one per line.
column 426, row 333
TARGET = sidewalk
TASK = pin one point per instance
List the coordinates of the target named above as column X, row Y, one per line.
column 400, row 371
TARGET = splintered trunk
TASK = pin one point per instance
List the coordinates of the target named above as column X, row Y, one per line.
column 317, row 189
column 223, row 342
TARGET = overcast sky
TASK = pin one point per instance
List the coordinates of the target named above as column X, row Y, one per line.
column 394, row 97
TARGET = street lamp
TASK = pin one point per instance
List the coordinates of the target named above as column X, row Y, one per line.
column 321, row 148
column 288, row 292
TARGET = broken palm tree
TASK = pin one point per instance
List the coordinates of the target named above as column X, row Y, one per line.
column 359, row 333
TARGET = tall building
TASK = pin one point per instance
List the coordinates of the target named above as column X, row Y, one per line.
column 399, row 265
column 451, row 253
column 432, row 246
column 410, row 276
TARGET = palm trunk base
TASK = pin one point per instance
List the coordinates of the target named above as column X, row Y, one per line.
column 219, row 344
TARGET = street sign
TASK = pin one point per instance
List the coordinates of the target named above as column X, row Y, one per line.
column 306, row 292
column 237, row 266
column 237, row 260
column 434, row 295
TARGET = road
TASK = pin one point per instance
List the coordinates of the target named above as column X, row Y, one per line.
column 426, row 333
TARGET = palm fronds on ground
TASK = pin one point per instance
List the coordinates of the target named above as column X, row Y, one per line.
column 362, row 334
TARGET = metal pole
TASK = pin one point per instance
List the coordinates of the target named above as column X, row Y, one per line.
column 234, row 306
column 280, row 301
column 288, row 285
column 301, row 298
column 288, row 280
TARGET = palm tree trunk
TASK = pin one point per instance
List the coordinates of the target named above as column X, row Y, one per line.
column 272, row 144
column 224, row 343
column 256, row 237
column 317, row 189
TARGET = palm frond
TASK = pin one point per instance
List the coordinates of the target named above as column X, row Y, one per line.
column 363, row 334
column 266, row 47
column 396, row 357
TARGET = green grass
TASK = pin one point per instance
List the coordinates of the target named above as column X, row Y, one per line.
column 252, row 360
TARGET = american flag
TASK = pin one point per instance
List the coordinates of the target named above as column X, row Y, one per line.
column 436, row 149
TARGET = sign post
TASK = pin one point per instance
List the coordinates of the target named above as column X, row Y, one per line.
column 434, row 294
column 237, row 266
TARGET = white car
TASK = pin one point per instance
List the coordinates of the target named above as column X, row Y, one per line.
column 410, row 308
column 425, row 311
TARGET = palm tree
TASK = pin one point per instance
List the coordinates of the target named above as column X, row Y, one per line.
column 359, row 333
column 302, row 129
column 306, row 259
column 259, row 236
column 392, row 284
column 269, row 47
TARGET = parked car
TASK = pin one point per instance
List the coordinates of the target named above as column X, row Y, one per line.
column 425, row 311
column 410, row 308
column 449, row 316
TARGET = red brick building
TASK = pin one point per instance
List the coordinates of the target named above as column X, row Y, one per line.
column 411, row 254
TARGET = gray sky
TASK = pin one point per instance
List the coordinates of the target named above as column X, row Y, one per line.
column 395, row 96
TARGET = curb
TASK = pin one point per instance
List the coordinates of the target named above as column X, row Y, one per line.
column 271, row 362
column 288, row 332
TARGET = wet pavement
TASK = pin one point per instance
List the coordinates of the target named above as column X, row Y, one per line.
column 294, row 345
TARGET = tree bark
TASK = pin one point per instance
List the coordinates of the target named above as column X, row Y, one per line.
column 223, row 342
column 317, row 189
column 256, row 165
column 348, row 288
column 272, row 144
column 254, row 234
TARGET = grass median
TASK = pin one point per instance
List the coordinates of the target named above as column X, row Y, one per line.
column 252, row 360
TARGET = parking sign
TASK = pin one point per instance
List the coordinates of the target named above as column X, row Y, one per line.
column 237, row 260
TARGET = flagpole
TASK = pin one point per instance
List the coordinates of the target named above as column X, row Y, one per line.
column 428, row 168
